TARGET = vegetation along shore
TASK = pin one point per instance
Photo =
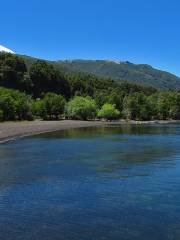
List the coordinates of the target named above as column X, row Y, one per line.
column 43, row 92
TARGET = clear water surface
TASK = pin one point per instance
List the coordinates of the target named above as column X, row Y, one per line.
column 119, row 182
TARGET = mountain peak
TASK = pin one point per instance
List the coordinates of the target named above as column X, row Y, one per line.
column 4, row 49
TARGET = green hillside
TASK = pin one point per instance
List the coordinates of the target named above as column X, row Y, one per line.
column 142, row 74
column 137, row 73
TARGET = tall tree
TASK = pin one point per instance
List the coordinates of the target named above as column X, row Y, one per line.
column 46, row 78
column 13, row 72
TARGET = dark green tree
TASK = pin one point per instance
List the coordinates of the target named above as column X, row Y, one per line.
column 52, row 106
column 136, row 107
column 14, row 105
column 13, row 72
column 46, row 78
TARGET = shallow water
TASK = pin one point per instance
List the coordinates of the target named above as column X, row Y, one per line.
column 95, row 183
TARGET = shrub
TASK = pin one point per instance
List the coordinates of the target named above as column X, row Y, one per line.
column 82, row 108
column 15, row 105
column 51, row 107
column 109, row 112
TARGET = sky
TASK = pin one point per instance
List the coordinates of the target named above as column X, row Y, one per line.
column 138, row 31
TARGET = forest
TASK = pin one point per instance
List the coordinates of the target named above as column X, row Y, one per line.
column 44, row 92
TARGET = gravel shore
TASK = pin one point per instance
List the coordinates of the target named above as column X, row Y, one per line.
column 12, row 130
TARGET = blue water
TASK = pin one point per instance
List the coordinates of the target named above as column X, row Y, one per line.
column 97, row 183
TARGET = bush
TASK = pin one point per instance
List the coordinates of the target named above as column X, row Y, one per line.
column 51, row 107
column 82, row 108
column 8, row 107
column 23, row 107
column 15, row 105
column 108, row 112
column 37, row 108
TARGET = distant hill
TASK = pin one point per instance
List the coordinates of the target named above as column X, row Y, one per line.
column 142, row 74
column 137, row 73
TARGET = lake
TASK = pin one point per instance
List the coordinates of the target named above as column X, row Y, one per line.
column 119, row 182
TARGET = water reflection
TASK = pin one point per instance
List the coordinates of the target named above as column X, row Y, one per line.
column 119, row 182
column 165, row 129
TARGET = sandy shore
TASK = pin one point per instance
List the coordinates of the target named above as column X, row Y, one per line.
column 12, row 130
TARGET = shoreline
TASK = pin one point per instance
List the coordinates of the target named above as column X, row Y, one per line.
column 12, row 130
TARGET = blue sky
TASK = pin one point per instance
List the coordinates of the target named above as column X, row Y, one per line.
column 139, row 31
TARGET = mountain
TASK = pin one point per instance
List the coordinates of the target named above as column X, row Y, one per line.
column 142, row 74
column 124, row 71
column 4, row 49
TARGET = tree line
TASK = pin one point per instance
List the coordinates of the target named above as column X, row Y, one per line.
column 44, row 92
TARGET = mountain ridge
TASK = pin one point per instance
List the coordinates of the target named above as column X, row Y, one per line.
column 143, row 74
column 125, row 71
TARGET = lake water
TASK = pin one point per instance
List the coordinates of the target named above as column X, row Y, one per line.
column 97, row 183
